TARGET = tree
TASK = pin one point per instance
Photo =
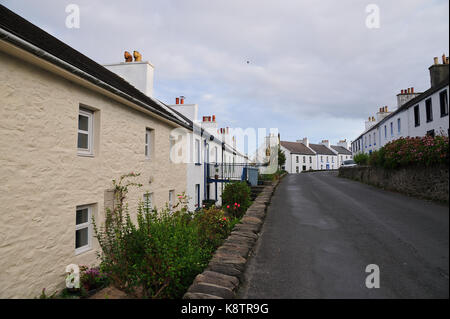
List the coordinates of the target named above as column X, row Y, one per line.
column 281, row 158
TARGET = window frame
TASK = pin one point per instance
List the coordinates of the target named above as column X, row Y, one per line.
column 399, row 125
column 445, row 108
column 197, row 151
column 148, row 143
column 90, row 132
column 429, row 110
column 87, row 225
column 416, row 111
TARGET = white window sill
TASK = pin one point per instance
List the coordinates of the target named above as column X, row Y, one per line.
column 81, row 250
column 85, row 154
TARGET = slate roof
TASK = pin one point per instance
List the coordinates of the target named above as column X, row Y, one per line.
column 25, row 30
column 297, row 148
column 321, row 149
column 341, row 150
column 410, row 103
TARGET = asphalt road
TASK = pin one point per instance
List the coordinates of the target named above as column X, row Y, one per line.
column 321, row 231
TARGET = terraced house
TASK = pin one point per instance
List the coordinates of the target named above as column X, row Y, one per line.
column 417, row 113
column 68, row 127
column 304, row 156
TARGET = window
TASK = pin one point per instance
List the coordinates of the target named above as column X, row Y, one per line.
column 296, row 159
column 85, row 132
column 296, row 169
column 416, row 116
column 443, row 99
column 171, row 199
column 332, row 159
column 321, row 159
column 197, row 151
column 327, row 159
column 304, row 159
column 148, row 201
column 370, row 140
column 197, row 195
column 385, row 132
column 83, row 229
column 341, row 158
column 148, row 143
column 392, row 128
column 374, row 139
column 216, row 154
column 399, row 126
column 429, row 110
column 430, row 133
column 310, row 160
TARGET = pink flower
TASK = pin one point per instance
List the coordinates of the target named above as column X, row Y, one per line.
column 228, row 206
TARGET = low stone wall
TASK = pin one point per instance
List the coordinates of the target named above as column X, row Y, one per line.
column 225, row 271
column 422, row 182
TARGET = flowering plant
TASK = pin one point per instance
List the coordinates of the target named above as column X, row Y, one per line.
column 426, row 150
column 92, row 278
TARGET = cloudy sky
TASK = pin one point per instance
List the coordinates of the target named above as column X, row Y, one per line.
column 315, row 69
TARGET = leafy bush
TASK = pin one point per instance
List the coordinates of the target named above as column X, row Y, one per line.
column 160, row 255
column 236, row 198
column 361, row 159
column 271, row 177
column 213, row 226
column 426, row 150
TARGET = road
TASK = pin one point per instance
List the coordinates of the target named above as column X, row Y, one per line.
column 321, row 231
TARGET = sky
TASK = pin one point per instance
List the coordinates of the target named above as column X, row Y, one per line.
column 308, row 68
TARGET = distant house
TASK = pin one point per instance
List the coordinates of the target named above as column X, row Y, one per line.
column 326, row 158
column 343, row 153
column 417, row 114
column 304, row 156
column 299, row 157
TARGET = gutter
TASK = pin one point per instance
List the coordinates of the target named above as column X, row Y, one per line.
column 18, row 42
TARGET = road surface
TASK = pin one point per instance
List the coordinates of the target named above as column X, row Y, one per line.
column 322, row 231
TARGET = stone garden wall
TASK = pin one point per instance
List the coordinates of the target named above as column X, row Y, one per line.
column 422, row 182
column 225, row 271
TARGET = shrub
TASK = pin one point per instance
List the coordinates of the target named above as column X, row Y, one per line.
column 361, row 159
column 213, row 226
column 92, row 278
column 161, row 254
column 426, row 150
column 236, row 198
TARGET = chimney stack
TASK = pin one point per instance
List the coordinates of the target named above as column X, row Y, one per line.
column 181, row 99
column 138, row 73
column 439, row 72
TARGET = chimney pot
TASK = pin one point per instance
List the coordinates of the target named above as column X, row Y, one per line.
column 436, row 60
column 214, row 118
column 181, row 99
column 412, row 90
column 443, row 59
column 177, row 100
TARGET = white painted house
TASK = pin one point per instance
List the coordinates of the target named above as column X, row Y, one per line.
column 304, row 156
column 417, row 114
